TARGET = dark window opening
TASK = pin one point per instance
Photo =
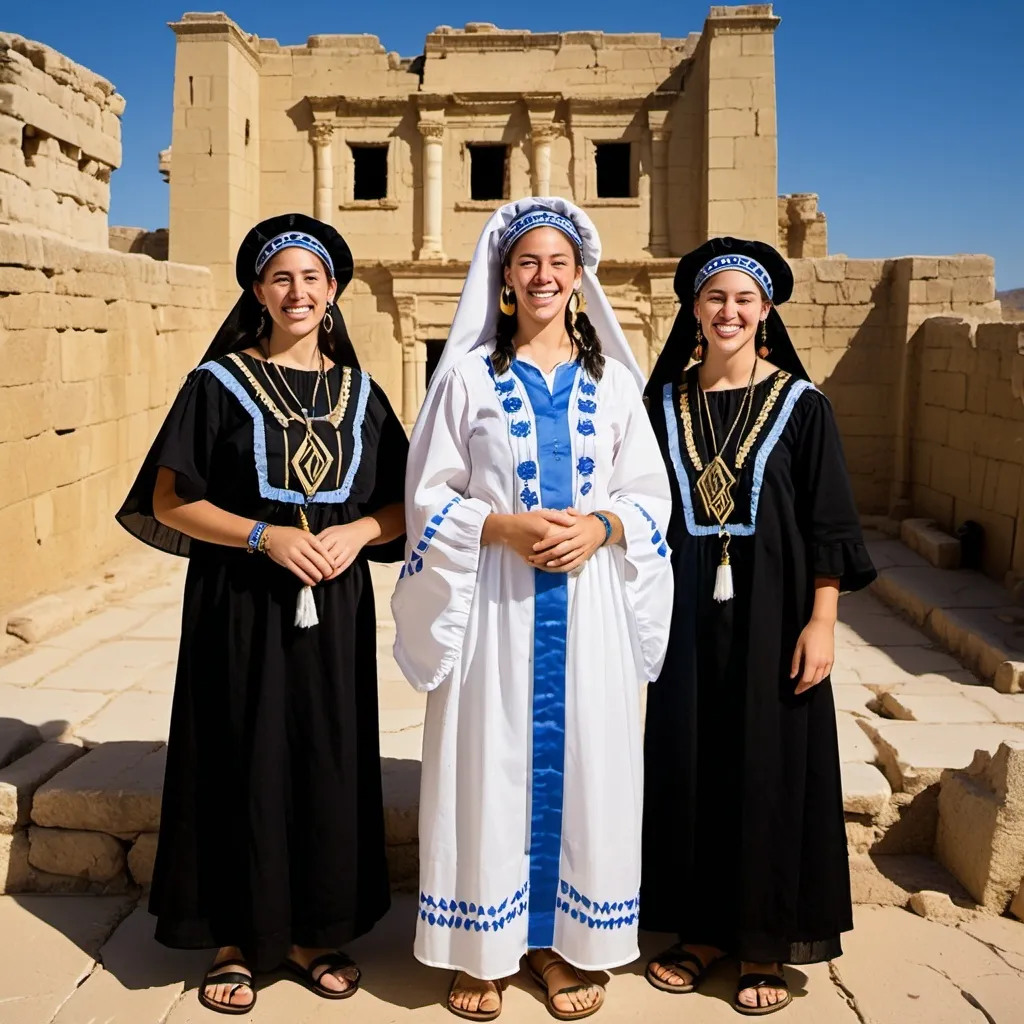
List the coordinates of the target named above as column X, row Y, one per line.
column 434, row 350
column 487, row 171
column 371, row 172
column 613, row 170
column 30, row 141
column 248, row 129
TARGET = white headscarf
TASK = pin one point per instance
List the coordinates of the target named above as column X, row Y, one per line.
column 476, row 318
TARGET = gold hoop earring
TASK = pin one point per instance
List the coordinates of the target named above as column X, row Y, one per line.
column 698, row 348
column 581, row 300
column 328, row 320
column 574, row 307
column 507, row 301
column 763, row 350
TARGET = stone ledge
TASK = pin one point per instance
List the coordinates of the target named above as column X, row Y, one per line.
column 938, row 547
column 20, row 780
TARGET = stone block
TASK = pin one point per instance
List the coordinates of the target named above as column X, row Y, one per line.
column 41, row 618
column 16, row 739
column 854, row 743
column 20, row 780
column 1009, row 677
column 142, row 857
column 925, row 707
column 937, row 906
column 888, row 880
column 981, row 824
column 865, row 789
column 94, row 856
column 1017, row 906
column 15, row 871
column 938, row 547
column 115, row 788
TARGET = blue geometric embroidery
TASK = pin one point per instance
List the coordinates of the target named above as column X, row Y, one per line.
column 586, row 488
column 415, row 563
column 656, row 538
column 529, row 498
column 746, row 264
column 588, row 388
column 585, row 405
column 594, row 913
column 504, row 387
column 527, row 470
column 586, row 428
column 520, row 428
column 460, row 914
column 512, row 404
column 585, row 465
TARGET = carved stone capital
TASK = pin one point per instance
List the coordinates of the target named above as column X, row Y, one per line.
column 431, row 129
column 545, row 133
column 320, row 133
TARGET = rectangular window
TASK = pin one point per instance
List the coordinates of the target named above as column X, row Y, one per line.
column 614, row 160
column 370, row 165
column 434, row 350
column 487, row 171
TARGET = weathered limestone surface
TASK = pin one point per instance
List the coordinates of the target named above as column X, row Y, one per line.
column 141, row 858
column 91, row 855
column 981, row 824
column 934, row 545
column 20, row 780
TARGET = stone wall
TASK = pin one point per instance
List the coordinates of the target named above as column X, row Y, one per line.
column 967, row 433
column 93, row 346
column 60, row 139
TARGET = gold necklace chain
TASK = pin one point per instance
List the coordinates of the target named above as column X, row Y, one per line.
column 747, row 403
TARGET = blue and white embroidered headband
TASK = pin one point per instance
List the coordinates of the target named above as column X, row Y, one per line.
column 538, row 217
column 744, row 264
column 293, row 240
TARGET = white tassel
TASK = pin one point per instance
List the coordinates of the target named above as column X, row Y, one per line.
column 305, row 609
column 723, row 583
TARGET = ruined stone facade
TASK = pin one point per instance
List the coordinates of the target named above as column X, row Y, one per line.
column 665, row 142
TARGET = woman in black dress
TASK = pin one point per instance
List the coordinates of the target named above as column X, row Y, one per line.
column 744, row 847
column 278, row 471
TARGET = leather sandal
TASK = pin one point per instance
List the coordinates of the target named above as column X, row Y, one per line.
column 237, row 980
column 331, row 962
column 477, row 1015
column 585, row 983
column 759, row 980
column 678, row 959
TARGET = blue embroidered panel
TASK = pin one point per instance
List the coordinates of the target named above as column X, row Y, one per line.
column 771, row 439
column 551, row 590
column 415, row 563
column 656, row 538
column 594, row 913
column 473, row 916
column 259, row 441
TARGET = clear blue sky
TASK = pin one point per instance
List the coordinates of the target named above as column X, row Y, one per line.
column 906, row 116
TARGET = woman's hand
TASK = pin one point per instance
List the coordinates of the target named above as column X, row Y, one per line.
column 814, row 654
column 299, row 552
column 522, row 530
column 344, row 542
column 567, row 548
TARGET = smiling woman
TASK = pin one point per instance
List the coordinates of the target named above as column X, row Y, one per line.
column 278, row 472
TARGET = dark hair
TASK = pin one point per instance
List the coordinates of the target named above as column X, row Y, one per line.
column 588, row 344
column 241, row 330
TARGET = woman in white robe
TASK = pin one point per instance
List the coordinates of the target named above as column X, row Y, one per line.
column 534, row 606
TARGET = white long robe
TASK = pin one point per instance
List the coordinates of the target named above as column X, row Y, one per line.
column 530, row 807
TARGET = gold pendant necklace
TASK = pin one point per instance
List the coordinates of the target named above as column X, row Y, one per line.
column 312, row 460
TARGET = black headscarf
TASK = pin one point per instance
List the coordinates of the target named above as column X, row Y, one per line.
column 240, row 329
column 682, row 339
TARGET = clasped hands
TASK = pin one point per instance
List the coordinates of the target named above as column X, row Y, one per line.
column 551, row 539
column 321, row 556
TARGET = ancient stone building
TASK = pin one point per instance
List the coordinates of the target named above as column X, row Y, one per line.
column 665, row 142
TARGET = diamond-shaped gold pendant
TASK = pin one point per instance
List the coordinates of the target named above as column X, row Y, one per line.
column 715, row 486
column 311, row 463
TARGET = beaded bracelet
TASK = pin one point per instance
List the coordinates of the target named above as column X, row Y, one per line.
column 256, row 542
column 607, row 526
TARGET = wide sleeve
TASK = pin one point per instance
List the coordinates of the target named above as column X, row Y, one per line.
column 389, row 476
column 641, row 498
column 434, row 594
column 828, row 513
column 185, row 445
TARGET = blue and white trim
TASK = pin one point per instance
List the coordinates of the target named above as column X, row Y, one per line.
column 473, row 916
column 415, row 563
column 259, row 441
column 538, row 217
column 522, row 434
column 656, row 538
column 594, row 913
column 683, row 480
column 293, row 240
column 745, row 264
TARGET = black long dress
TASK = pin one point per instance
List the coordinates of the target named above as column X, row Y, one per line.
column 744, row 845
column 272, row 826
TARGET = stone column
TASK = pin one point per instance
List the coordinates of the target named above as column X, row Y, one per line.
column 541, row 169
column 323, row 171
column 433, row 141
column 659, row 183
column 414, row 360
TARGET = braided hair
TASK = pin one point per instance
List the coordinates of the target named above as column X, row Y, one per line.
column 588, row 344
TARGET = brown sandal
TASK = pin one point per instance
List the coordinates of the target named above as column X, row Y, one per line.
column 538, row 976
column 477, row 1015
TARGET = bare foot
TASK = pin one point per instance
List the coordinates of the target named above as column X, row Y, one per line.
column 339, row 980
column 557, row 975
column 473, row 995
column 228, row 993
column 754, row 997
column 680, row 975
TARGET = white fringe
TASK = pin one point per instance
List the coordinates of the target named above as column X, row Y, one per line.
column 305, row 609
column 723, row 583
